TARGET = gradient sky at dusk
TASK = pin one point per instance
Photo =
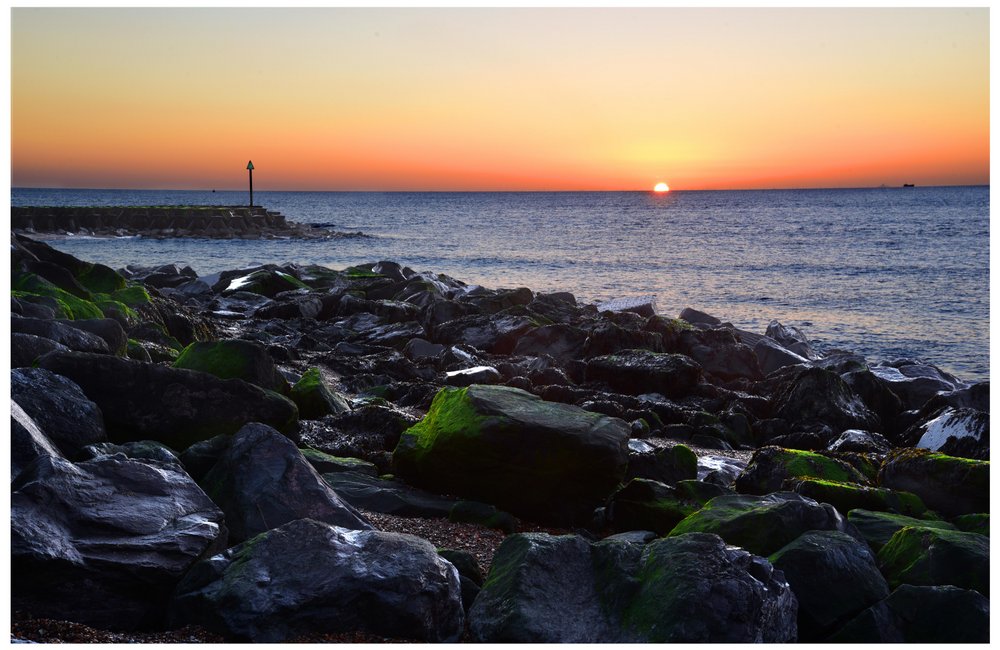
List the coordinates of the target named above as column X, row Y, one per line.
column 498, row 99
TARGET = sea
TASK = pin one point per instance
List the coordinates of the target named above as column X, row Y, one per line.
column 889, row 273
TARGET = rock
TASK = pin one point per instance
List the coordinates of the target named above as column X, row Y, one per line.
column 59, row 408
column 772, row 356
column 542, row 460
column 878, row 527
column 202, row 456
column 974, row 523
column 863, row 442
column 363, row 432
column 636, row 372
column 818, row 396
column 307, row 577
column 915, row 382
column 297, row 307
column 877, row 396
column 947, row 484
column 265, row 282
column 643, row 504
column 668, row 465
column 976, row 397
column 608, row 338
column 108, row 329
column 792, row 339
column 142, row 401
column 61, row 333
column 562, row 342
column 27, row 441
column 913, row 614
column 138, row 450
column 315, row 399
column 956, row 432
column 849, row 496
column 26, row 348
column 104, row 542
column 719, row 470
column 497, row 333
column 696, row 317
column 545, row 589
column 642, row 305
column 764, row 524
column 325, row 463
column 770, row 467
column 719, row 354
column 470, row 376
column 387, row 496
column 483, row 514
column 262, row 481
column 234, row 359
column 834, row 577
column 418, row 348
column 934, row 556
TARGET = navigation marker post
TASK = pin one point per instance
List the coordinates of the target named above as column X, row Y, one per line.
column 250, row 169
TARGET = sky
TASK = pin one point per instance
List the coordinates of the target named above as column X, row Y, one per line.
column 498, row 99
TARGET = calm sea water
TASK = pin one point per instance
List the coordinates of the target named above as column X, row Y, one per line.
column 885, row 272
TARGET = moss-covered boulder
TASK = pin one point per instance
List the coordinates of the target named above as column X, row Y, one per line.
column 98, row 278
column 850, row 496
column 913, row 614
column 949, row 485
column 975, row 523
column 834, row 577
column 770, row 467
column 143, row 401
column 233, row 359
column 650, row 505
column 323, row 463
column 265, row 282
column 70, row 306
column 666, row 465
column 641, row 371
column 762, row 525
column 540, row 460
column 314, row 398
column 688, row 589
column 878, row 527
column 919, row 555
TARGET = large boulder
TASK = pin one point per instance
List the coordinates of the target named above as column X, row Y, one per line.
column 308, row 577
column 108, row 329
column 315, row 398
column 933, row 556
column 772, row 356
column 720, row 354
column 144, row 401
column 877, row 528
column 105, row 542
column 387, row 495
column 640, row 371
column 262, row 481
column 820, row 397
column 666, row 465
column 541, row 460
column 643, row 504
column 59, row 408
column 913, row 614
column 560, row 341
column 689, row 589
column 61, row 333
column 957, row 432
column 27, row 441
column 850, row 496
column 762, row 525
column 233, row 359
column 770, row 467
column 26, row 348
column 834, row 577
column 792, row 338
column 950, row 485
column 916, row 382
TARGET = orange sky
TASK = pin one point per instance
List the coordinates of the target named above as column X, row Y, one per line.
column 498, row 99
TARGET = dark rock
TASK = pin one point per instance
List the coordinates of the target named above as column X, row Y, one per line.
column 545, row 589
column 60, row 332
column 607, row 338
column 916, row 382
column 387, row 496
column 976, row 397
column 719, row 353
column 699, row 317
column 315, row 399
column 770, row 467
column 497, row 333
column 562, row 342
column 877, row 396
column 234, row 359
column 639, row 371
column 878, row 527
column 307, row 577
column 501, row 445
column 483, row 514
column 470, row 376
column 792, row 339
column 359, row 433
column 298, row 307
column 59, row 408
column 772, row 356
column 864, row 442
column 642, row 305
column 763, row 524
column 325, row 463
column 666, row 465
column 465, row 562
column 803, row 440
column 142, row 401
column 104, row 542
column 834, row 577
column 849, row 496
column 202, row 456
column 644, row 504
column 107, row 329
column 913, row 614
column 956, row 432
column 719, row 470
column 27, row 441
column 262, row 481
column 266, row 282
column 138, row 450
column 948, row 484
column 418, row 348
column 974, row 523
column 818, row 396
column 935, row 556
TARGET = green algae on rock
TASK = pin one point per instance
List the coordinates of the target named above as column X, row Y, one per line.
column 314, row 398
column 233, row 359
column 770, row 467
column 850, row 496
column 878, row 527
column 947, row 484
column 921, row 555
column 643, row 504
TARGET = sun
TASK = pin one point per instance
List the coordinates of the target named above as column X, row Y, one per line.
column 661, row 187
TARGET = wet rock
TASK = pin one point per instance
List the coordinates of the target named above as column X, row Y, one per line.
column 325, row 463
column 719, row 470
column 545, row 589
column 763, row 524
column 138, row 450
column 202, row 456
column 935, row 556
column 497, row 333
column 27, row 441
column 956, row 432
column 696, row 317
column 417, row 349
column 298, row 307
column 849, row 496
column 792, row 339
column 913, row 614
column 608, row 338
column 639, row 371
column 667, row 465
column 362, row 432
column 233, row 359
column 142, row 401
column 387, row 496
column 818, row 396
column 915, row 382
column 315, row 398
column 59, row 408
column 719, row 353
column 877, row 396
column 63, row 334
column 772, row 356
column 562, row 342
column 310, row 577
column 834, row 577
column 878, row 527
column 107, row 329
column 470, row 376
column 949, row 485
column 501, row 445
column 262, row 481
column 976, row 397
column 104, row 542
column 265, row 282
column 770, row 467
column 643, row 504
column 864, row 442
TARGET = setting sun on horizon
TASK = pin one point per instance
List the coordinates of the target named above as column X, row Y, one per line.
column 486, row 99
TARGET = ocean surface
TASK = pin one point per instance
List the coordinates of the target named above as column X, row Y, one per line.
column 888, row 273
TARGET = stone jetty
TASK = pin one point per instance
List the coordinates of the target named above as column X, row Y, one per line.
column 280, row 453
column 162, row 222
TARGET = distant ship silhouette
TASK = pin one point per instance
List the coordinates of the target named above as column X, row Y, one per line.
column 908, row 185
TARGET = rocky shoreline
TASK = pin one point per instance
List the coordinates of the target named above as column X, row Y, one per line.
column 296, row 453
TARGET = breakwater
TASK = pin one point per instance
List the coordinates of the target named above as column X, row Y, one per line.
column 195, row 221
